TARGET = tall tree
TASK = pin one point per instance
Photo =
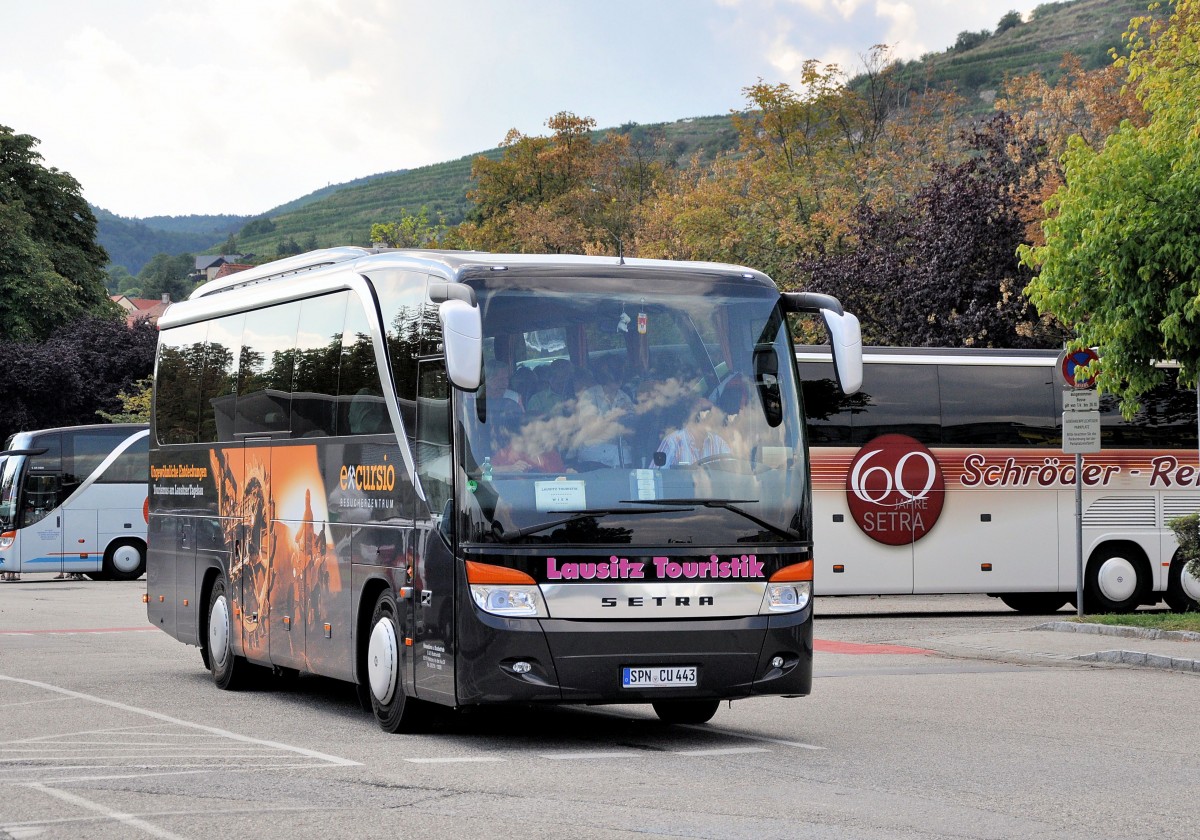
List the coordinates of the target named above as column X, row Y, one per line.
column 941, row 268
column 807, row 159
column 1121, row 261
column 51, row 267
column 78, row 372
column 167, row 275
column 564, row 193
column 1088, row 104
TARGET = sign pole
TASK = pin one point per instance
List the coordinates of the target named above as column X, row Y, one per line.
column 1081, row 433
column 1079, row 534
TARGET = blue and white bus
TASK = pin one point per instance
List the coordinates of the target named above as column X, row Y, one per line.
column 73, row 500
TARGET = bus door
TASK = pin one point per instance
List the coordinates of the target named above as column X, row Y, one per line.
column 252, row 558
column 434, row 566
column 41, row 522
column 81, row 550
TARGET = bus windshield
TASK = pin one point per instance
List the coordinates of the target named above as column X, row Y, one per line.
column 600, row 408
column 10, row 467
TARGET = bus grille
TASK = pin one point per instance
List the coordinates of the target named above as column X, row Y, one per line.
column 1121, row 512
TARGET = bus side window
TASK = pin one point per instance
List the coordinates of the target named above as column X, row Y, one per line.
column 361, row 409
column 132, row 465
column 180, row 372
column 41, row 497
column 318, row 355
column 265, row 370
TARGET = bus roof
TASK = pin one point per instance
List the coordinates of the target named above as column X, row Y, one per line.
column 941, row 355
column 456, row 266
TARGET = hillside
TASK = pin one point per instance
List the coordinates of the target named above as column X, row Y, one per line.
column 342, row 214
column 977, row 64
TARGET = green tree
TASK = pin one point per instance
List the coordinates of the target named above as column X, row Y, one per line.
column 1121, row 262
column 118, row 276
column 413, row 230
column 1010, row 19
column 135, row 405
column 167, row 274
column 51, row 267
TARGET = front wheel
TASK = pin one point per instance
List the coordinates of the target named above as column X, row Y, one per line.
column 394, row 710
column 686, row 711
column 1114, row 582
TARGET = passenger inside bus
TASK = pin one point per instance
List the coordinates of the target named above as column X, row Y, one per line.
column 696, row 441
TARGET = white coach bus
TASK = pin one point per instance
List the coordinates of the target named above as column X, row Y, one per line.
column 73, row 500
column 945, row 474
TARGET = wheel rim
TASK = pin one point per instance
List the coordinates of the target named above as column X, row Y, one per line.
column 218, row 631
column 1189, row 584
column 1117, row 579
column 382, row 656
column 126, row 559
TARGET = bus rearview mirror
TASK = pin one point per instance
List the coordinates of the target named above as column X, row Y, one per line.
column 462, row 335
column 845, row 337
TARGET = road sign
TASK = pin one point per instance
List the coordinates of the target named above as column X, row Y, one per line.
column 1069, row 360
column 1080, row 399
column 1080, row 432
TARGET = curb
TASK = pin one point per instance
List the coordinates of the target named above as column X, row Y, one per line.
column 1125, row 632
column 1143, row 660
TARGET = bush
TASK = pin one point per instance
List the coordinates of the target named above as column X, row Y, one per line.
column 1187, row 534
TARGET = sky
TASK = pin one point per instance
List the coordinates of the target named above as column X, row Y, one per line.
column 160, row 107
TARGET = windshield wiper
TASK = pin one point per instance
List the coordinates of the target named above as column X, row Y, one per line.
column 729, row 505
column 574, row 516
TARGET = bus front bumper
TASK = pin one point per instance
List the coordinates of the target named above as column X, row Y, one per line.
column 567, row 661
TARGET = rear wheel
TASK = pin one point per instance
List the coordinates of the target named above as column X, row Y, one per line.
column 124, row 560
column 1183, row 589
column 686, row 711
column 1035, row 603
column 1115, row 581
column 229, row 671
column 395, row 711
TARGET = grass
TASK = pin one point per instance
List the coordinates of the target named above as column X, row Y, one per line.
column 1149, row 620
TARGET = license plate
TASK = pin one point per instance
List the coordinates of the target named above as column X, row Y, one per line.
column 658, row 676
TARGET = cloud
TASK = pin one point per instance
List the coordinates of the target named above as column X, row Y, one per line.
column 158, row 106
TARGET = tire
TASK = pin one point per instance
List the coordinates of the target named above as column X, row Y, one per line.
column 1115, row 580
column 230, row 672
column 1035, row 603
column 1183, row 590
column 686, row 711
column 394, row 710
column 124, row 560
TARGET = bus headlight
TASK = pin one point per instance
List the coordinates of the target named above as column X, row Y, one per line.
column 787, row 597
column 7, row 539
column 501, row 590
column 510, row 601
column 789, row 589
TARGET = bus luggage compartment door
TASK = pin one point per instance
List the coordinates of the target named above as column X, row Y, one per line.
column 80, row 552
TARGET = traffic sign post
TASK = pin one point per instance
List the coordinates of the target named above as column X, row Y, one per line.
column 1080, row 434
column 1069, row 363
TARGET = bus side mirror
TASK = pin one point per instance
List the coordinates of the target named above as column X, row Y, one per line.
column 462, row 336
column 846, row 340
column 845, row 336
